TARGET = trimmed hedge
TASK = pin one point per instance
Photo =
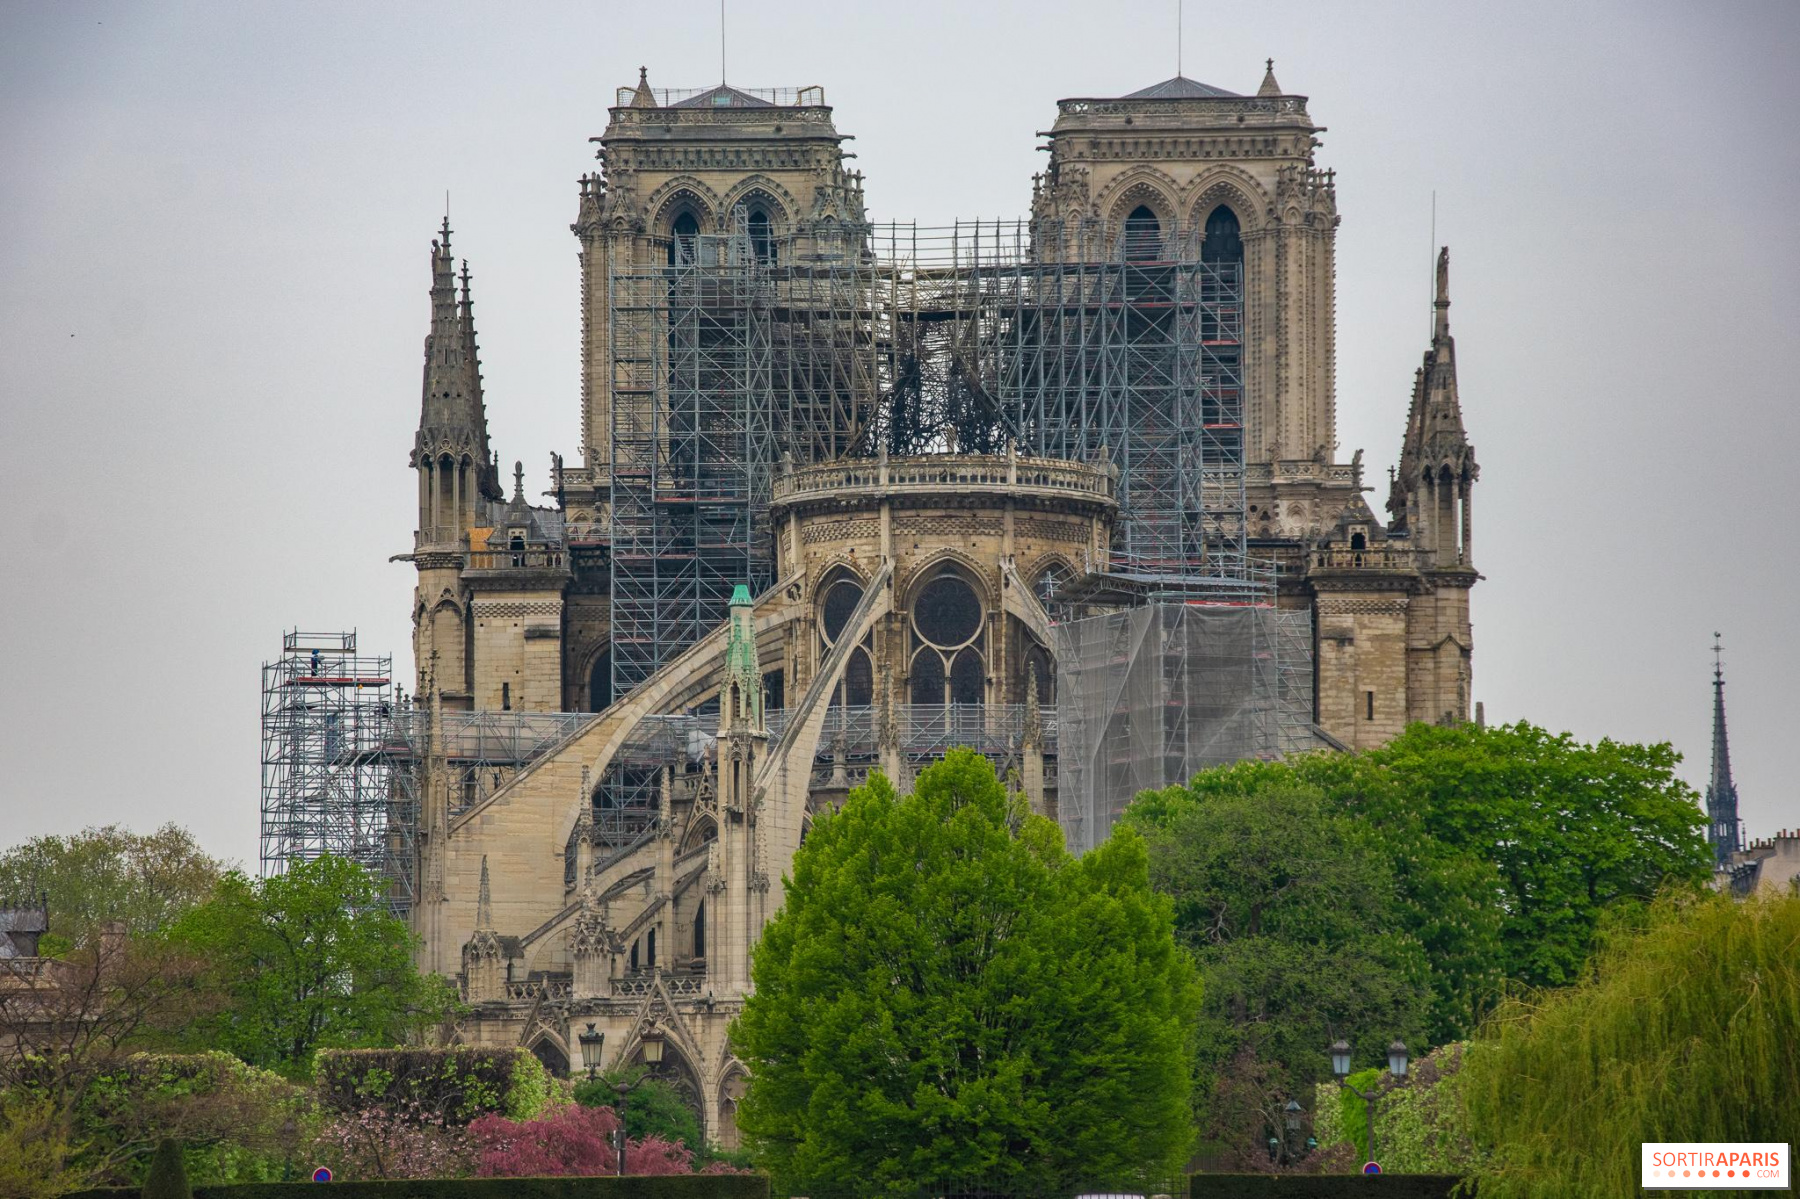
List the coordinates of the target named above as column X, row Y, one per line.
column 457, row 1082
column 665, row 1186
column 1323, row 1186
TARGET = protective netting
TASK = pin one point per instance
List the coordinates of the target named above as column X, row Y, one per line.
column 1149, row 695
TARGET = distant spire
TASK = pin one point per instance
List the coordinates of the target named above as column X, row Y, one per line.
column 1269, row 86
column 1440, row 327
column 1725, row 834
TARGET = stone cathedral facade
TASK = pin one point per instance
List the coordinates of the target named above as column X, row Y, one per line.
column 672, row 732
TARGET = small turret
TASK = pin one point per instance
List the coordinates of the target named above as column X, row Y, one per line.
column 1269, row 86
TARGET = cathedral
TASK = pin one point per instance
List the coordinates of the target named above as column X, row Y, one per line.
column 1065, row 489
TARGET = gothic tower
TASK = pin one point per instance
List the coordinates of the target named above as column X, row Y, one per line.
column 450, row 454
column 1723, row 829
column 1237, row 173
column 675, row 166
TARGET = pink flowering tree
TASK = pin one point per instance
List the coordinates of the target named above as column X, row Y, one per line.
column 569, row 1141
column 400, row 1142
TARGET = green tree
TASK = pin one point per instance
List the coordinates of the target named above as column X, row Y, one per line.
column 305, row 960
column 1686, row 1029
column 947, row 995
column 1507, row 844
column 99, row 875
column 1290, row 909
column 652, row 1109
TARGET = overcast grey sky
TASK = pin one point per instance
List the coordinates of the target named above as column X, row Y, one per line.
column 214, row 224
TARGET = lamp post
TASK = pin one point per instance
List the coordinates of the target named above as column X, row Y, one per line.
column 652, row 1040
column 1291, row 1116
column 591, row 1045
column 1340, row 1066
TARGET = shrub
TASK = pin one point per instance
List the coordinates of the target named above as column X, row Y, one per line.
column 236, row 1123
column 456, row 1083
column 168, row 1176
column 36, row 1154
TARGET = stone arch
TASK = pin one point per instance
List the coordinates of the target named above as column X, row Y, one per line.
column 551, row 1050
column 726, row 1095
column 928, row 568
column 1053, row 560
column 692, row 837
column 780, row 201
column 1145, row 185
column 1231, row 186
column 838, row 565
column 683, row 191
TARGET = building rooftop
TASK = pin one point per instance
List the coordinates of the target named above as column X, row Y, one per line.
column 1180, row 88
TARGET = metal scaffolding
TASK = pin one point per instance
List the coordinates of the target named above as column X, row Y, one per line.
column 328, row 720
column 1086, row 342
column 1149, row 695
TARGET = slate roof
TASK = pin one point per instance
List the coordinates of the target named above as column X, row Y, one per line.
column 1179, row 88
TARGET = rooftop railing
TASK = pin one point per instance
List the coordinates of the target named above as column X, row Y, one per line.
column 941, row 472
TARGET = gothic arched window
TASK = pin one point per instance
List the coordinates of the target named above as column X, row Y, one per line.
column 947, row 664
column 684, row 236
column 600, row 682
column 1223, row 242
column 857, row 687
column 1143, row 235
column 762, row 235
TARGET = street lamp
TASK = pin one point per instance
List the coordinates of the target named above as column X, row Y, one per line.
column 652, row 1041
column 591, row 1044
column 1340, row 1066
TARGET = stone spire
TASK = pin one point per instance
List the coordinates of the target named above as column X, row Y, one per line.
column 1429, row 497
column 1269, row 86
column 1724, row 832
column 484, row 902
column 452, row 415
column 483, row 957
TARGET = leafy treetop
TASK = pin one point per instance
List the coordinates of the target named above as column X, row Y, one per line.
column 1507, row 844
column 308, row 959
column 947, row 995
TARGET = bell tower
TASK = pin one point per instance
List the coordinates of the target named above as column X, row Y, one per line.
column 677, row 164
column 1235, row 173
